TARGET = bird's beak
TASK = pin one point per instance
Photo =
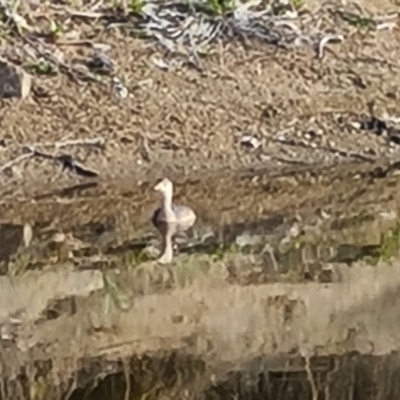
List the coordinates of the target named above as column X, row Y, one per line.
column 157, row 187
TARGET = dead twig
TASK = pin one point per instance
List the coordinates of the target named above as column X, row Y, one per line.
column 77, row 13
column 323, row 42
column 16, row 160
column 83, row 42
column 268, row 249
column 96, row 142
column 11, row 13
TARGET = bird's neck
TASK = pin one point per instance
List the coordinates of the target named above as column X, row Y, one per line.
column 166, row 203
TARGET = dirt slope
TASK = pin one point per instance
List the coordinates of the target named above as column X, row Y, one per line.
column 300, row 107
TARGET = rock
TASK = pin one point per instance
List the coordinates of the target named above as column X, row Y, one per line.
column 247, row 239
column 250, row 142
column 11, row 238
column 119, row 88
column 14, row 81
column 100, row 63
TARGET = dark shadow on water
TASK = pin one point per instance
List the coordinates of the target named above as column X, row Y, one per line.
column 149, row 377
column 350, row 376
column 285, row 377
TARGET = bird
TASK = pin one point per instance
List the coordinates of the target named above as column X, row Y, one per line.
column 170, row 218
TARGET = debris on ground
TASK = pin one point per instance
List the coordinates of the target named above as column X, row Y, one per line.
column 14, row 81
column 250, row 142
column 185, row 30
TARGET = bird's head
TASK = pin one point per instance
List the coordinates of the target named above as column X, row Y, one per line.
column 164, row 187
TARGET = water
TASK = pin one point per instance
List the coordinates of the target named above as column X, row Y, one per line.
column 284, row 377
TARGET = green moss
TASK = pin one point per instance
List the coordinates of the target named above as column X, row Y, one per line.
column 219, row 7
column 297, row 4
column 279, row 8
column 133, row 258
column 135, row 6
column 389, row 246
column 55, row 30
column 41, row 67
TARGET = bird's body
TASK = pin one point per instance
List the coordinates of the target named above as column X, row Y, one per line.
column 183, row 216
column 170, row 218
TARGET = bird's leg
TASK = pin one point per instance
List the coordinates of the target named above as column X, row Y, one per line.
column 166, row 258
column 167, row 253
column 167, row 246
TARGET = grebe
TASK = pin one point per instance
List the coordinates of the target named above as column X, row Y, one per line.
column 170, row 218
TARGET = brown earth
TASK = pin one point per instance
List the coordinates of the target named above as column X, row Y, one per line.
column 188, row 125
column 183, row 120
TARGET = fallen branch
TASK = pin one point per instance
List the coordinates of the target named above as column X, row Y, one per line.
column 70, row 164
column 67, row 162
